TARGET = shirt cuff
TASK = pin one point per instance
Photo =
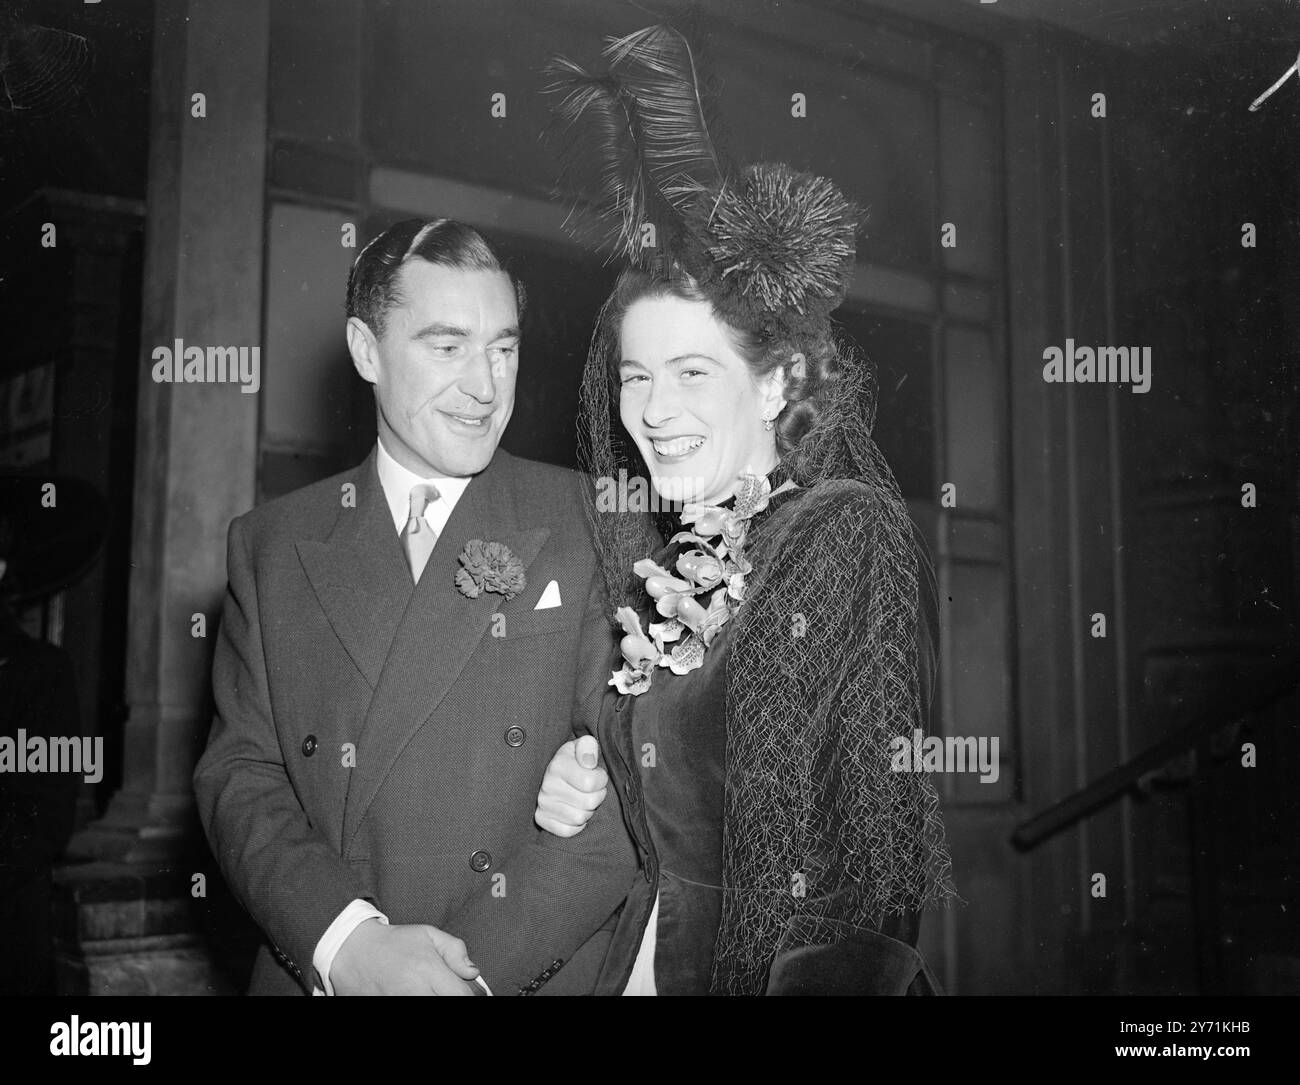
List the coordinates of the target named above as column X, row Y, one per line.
column 335, row 935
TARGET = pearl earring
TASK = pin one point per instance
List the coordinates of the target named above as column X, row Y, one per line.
column 768, row 423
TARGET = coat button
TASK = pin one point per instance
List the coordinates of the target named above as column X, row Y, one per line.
column 480, row 861
column 309, row 745
column 515, row 736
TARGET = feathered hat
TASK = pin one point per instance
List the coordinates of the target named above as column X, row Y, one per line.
column 772, row 248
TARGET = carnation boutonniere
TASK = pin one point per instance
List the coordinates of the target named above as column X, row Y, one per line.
column 489, row 566
column 705, row 592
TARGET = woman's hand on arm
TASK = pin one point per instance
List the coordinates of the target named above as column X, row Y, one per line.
column 573, row 788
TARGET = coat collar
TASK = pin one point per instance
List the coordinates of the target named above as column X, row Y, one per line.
column 359, row 572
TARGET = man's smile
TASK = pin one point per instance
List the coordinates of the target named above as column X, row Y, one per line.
column 475, row 423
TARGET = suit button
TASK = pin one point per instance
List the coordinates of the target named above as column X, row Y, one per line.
column 515, row 736
column 480, row 860
column 309, row 745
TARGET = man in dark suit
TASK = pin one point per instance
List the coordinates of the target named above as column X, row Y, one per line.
column 383, row 724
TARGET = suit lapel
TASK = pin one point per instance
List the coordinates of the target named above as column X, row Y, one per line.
column 359, row 574
column 438, row 633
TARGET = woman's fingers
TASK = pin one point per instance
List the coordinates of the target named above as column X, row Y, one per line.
column 556, row 828
column 560, row 818
column 585, row 790
column 587, row 751
column 576, row 763
column 565, row 772
column 572, row 789
column 573, row 807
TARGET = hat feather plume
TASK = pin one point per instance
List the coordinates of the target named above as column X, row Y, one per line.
column 637, row 143
column 675, row 110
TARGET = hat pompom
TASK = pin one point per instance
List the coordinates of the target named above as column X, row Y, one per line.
column 782, row 246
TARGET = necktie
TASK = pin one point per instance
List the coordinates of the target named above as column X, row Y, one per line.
column 418, row 537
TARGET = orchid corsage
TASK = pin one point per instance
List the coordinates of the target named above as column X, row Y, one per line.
column 706, row 592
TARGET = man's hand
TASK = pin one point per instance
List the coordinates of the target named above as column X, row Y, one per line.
column 573, row 787
column 415, row 959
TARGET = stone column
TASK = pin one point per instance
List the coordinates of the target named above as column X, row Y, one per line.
column 196, row 447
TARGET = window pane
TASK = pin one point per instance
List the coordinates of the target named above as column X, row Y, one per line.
column 974, row 421
column 968, row 191
column 976, row 670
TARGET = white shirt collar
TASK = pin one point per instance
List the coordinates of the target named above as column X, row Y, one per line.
column 397, row 482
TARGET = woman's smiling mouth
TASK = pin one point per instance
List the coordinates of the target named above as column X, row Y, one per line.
column 675, row 448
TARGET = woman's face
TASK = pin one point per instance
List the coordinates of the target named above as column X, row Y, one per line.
column 688, row 400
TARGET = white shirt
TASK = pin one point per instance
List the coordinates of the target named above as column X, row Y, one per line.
column 397, row 483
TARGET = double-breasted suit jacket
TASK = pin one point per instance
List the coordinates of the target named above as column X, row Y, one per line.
column 381, row 739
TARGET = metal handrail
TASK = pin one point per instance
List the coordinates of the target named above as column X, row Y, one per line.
column 1267, row 682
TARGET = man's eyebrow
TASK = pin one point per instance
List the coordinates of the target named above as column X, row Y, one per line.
column 438, row 328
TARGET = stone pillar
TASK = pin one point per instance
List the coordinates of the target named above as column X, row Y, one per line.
column 196, row 447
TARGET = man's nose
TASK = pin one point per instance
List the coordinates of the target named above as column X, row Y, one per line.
column 477, row 381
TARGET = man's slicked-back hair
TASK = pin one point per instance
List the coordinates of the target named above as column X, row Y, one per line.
column 372, row 283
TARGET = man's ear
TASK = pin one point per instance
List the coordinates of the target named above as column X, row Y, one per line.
column 364, row 349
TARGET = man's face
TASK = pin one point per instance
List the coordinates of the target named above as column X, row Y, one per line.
column 444, row 369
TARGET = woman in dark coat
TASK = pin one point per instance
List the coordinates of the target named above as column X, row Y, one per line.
column 779, row 852
column 779, row 637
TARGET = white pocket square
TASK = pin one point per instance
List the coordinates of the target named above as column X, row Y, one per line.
column 550, row 597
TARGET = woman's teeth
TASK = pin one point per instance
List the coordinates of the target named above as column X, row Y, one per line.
column 678, row 446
